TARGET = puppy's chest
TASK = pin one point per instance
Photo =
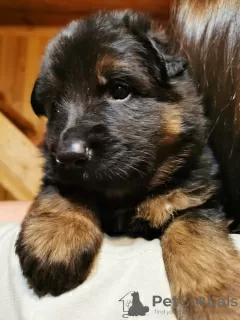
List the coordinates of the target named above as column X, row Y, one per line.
column 119, row 217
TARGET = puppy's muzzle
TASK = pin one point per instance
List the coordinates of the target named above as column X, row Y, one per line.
column 76, row 149
column 74, row 153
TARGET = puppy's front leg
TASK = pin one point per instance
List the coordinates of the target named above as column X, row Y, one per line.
column 203, row 268
column 57, row 244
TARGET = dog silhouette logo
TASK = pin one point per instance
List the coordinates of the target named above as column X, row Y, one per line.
column 132, row 305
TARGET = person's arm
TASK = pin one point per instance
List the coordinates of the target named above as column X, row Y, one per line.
column 13, row 211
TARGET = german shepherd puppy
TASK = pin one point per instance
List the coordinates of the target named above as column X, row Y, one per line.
column 126, row 153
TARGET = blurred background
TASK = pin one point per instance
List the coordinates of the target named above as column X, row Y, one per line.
column 25, row 28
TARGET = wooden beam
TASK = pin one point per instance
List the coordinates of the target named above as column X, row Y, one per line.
column 25, row 18
column 4, row 195
column 20, row 162
column 16, row 117
column 29, row 31
column 21, row 50
column 72, row 6
column 60, row 12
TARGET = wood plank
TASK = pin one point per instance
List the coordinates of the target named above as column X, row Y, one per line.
column 8, row 18
column 66, row 6
column 46, row 32
column 20, row 162
column 4, row 195
column 12, row 67
column 60, row 12
column 16, row 117
column 22, row 18
column 21, row 50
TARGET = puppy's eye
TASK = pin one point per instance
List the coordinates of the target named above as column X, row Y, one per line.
column 119, row 92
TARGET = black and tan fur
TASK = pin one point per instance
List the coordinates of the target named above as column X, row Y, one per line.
column 151, row 173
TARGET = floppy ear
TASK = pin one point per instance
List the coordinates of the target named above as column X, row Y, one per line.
column 154, row 37
column 36, row 100
column 174, row 65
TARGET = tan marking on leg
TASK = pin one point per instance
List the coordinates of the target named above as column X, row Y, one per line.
column 160, row 209
column 201, row 261
column 58, row 244
column 58, row 229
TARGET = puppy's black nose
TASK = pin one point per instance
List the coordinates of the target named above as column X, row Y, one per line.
column 73, row 153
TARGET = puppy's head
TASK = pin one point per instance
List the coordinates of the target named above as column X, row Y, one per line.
column 118, row 104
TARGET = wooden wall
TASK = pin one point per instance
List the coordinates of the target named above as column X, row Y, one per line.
column 59, row 12
column 25, row 28
column 21, row 49
column 21, row 131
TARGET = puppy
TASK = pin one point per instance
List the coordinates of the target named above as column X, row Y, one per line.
column 126, row 153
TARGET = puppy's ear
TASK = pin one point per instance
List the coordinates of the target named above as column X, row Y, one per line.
column 36, row 100
column 174, row 65
column 152, row 36
column 136, row 22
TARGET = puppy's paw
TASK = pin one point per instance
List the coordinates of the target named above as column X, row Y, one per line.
column 203, row 268
column 57, row 252
column 214, row 297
